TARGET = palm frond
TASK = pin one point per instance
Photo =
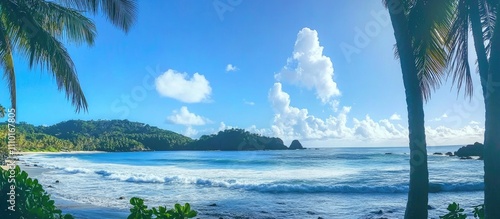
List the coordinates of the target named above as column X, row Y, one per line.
column 457, row 41
column 7, row 63
column 488, row 19
column 122, row 13
column 430, row 22
column 42, row 49
column 407, row 4
column 63, row 22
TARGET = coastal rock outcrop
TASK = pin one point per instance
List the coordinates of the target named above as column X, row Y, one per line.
column 296, row 145
column 475, row 149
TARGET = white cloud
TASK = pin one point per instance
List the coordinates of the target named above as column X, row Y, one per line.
column 444, row 116
column 442, row 135
column 335, row 105
column 248, row 102
column 223, row 126
column 309, row 68
column 291, row 122
column 184, row 117
column 294, row 123
column 190, row 132
column 473, row 123
column 179, row 86
column 395, row 117
column 231, row 67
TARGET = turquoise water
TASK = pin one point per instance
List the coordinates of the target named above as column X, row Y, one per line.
column 328, row 183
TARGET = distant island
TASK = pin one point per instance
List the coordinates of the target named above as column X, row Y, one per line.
column 124, row 135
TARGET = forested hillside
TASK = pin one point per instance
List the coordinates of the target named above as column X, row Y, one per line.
column 123, row 135
column 100, row 135
column 236, row 139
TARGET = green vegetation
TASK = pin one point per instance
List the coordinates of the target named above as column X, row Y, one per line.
column 116, row 135
column 456, row 212
column 101, row 135
column 36, row 29
column 24, row 197
column 141, row 211
column 236, row 139
column 123, row 135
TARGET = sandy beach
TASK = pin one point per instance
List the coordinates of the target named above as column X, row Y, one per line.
column 61, row 152
column 78, row 210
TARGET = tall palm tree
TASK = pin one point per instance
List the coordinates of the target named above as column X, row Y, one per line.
column 419, row 31
column 492, row 127
column 480, row 16
column 36, row 28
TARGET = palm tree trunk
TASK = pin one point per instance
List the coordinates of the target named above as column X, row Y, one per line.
column 492, row 136
column 419, row 176
column 477, row 33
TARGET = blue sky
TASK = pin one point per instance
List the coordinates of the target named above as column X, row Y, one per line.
column 322, row 72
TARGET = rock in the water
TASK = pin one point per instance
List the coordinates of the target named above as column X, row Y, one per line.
column 429, row 207
column 466, row 158
column 121, row 198
column 475, row 149
column 450, row 154
column 296, row 145
column 438, row 153
column 310, row 212
column 388, row 153
column 212, row 205
column 57, row 181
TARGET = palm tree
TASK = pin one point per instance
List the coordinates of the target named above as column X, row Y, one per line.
column 36, row 28
column 477, row 15
column 419, row 32
column 2, row 111
column 492, row 127
column 480, row 16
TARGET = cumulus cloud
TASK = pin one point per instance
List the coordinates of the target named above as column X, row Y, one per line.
column 444, row 116
column 309, row 68
column 473, row 123
column 294, row 123
column 395, row 117
column 181, row 87
column 184, row 117
column 190, row 132
column 231, row 67
column 223, row 126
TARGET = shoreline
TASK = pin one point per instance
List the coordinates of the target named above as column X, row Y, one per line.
column 59, row 152
column 224, row 208
column 76, row 209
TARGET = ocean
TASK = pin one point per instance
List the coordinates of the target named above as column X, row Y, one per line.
column 313, row 183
